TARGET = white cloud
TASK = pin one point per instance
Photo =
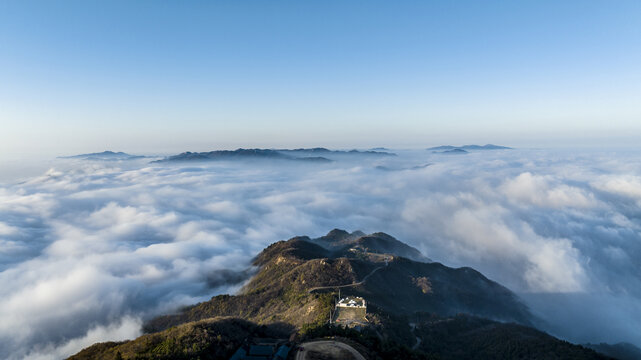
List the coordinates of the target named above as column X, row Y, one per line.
column 554, row 267
column 623, row 185
column 125, row 328
column 84, row 247
column 469, row 228
column 537, row 190
column 7, row 230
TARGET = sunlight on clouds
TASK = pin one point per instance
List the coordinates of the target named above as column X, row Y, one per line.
column 537, row 190
column 469, row 228
column 126, row 328
column 554, row 267
column 100, row 247
column 627, row 186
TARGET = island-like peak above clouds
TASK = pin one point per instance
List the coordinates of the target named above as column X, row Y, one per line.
column 105, row 155
column 469, row 147
column 376, row 266
column 437, row 311
column 343, row 243
column 302, row 154
column 337, row 152
column 456, row 151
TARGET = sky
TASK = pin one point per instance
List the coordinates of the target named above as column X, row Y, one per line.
column 164, row 77
column 103, row 246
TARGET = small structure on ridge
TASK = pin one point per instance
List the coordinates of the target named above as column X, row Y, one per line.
column 350, row 311
column 352, row 302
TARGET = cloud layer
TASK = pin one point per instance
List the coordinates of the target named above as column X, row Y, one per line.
column 89, row 250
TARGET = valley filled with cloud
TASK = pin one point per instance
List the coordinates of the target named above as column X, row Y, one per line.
column 91, row 249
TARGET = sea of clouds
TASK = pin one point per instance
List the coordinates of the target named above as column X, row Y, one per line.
column 90, row 249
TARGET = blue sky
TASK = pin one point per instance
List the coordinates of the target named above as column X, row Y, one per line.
column 150, row 76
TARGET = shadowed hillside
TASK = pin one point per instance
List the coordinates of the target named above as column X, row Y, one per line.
column 296, row 286
column 280, row 291
column 215, row 338
column 342, row 243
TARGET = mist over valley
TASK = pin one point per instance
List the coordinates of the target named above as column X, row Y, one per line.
column 104, row 246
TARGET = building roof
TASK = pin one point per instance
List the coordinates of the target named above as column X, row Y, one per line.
column 282, row 352
column 261, row 350
column 239, row 354
column 352, row 301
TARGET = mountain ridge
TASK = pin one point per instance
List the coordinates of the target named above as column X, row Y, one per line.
column 470, row 147
column 105, row 155
column 296, row 285
column 301, row 154
column 289, row 269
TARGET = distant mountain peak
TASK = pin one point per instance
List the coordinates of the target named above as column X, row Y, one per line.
column 337, row 233
column 301, row 154
column 105, row 155
column 456, row 151
column 374, row 266
column 469, row 147
column 341, row 242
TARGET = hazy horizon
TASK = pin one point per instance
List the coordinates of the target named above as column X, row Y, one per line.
column 146, row 77
column 118, row 242
column 90, row 250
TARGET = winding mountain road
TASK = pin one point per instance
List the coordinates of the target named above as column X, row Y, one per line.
column 327, row 347
column 347, row 285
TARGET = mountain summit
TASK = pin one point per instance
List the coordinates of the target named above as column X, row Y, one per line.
column 342, row 243
column 470, row 147
column 415, row 309
column 312, row 154
column 105, row 155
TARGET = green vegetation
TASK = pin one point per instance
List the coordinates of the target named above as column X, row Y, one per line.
column 279, row 292
column 460, row 337
column 294, row 291
column 468, row 337
column 203, row 340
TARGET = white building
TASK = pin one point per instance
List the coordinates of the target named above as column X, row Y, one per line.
column 352, row 302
